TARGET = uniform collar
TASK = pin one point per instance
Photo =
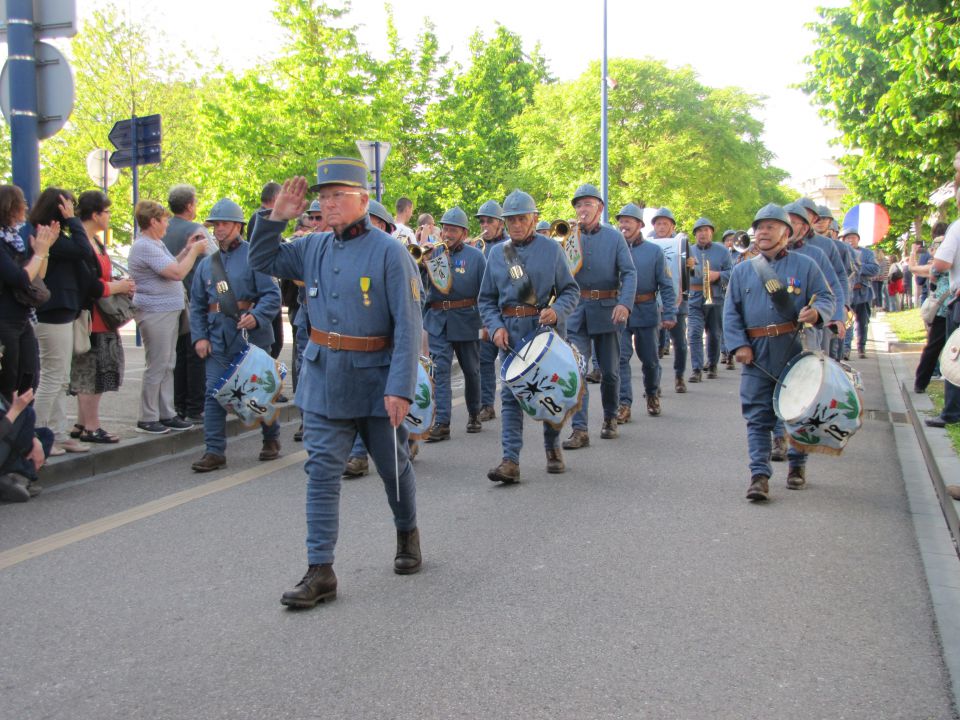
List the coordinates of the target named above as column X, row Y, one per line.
column 232, row 246
column 354, row 230
column 523, row 243
column 594, row 231
column 638, row 242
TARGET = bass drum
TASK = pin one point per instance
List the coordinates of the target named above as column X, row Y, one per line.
column 820, row 403
column 250, row 386
column 546, row 377
column 419, row 418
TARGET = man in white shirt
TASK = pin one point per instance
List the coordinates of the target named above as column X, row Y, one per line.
column 947, row 258
column 403, row 233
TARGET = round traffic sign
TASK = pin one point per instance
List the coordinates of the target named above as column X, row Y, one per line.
column 99, row 168
column 55, row 92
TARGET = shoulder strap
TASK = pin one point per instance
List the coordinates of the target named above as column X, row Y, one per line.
column 228, row 301
column 518, row 275
column 771, row 283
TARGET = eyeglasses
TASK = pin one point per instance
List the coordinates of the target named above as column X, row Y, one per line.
column 335, row 196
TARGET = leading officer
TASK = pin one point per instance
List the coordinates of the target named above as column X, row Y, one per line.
column 608, row 283
column 521, row 276
column 360, row 367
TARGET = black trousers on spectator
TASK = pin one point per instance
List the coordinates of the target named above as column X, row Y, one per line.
column 189, row 379
column 20, row 367
column 936, row 338
column 277, row 335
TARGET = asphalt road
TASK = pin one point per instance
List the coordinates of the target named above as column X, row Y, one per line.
column 640, row 584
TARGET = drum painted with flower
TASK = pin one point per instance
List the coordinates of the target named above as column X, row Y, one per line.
column 250, row 386
column 423, row 408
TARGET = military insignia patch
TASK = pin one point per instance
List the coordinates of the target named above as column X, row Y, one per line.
column 223, row 287
column 415, row 288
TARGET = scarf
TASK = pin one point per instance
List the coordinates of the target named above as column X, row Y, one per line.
column 12, row 238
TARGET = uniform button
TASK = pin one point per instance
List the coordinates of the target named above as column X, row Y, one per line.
column 336, row 271
column 334, row 295
column 335, row 321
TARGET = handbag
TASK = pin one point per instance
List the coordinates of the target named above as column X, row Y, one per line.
column 116, row 310
column 81, row 333
column 930, row 308
column 35, row 296
column 950, row 358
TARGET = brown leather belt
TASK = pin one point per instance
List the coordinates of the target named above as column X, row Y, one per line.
column 696, row 288
column 453, row 304
column 241, row 304
column 336, row 341
column 599, row 294
column 519, row 311
column 783, row 328
column 644, row 297
column 858, row 287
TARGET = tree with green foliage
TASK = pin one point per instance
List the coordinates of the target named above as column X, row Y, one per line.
column 884, row 73
column 671, row 142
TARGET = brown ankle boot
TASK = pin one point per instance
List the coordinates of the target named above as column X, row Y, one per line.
column 623, row 414
column 507, row 472
column 578, row 439
column 407, row 560
column 555, row 464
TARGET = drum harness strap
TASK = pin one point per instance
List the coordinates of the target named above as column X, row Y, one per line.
column 781, row 301
column 526, row 293
column 228, row 301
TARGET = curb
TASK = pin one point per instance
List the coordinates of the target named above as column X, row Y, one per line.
column 109, row 458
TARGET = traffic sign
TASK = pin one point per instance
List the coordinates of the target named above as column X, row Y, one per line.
column 368, row 151
column 51, row 19
column 55, row 92
column 99, row 169
column 146, row 155
column 149, row 132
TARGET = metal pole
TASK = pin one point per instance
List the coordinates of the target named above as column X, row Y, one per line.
column 24, row 140
column 603, row 120
column 105, row 155
column 136, row 174
column 376, row 174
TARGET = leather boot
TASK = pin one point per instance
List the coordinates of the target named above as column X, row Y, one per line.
column 623, row 414
column 318, row 585
column 438, row 433
column 696, row 376
column 609, row 429
column 779, row 451
column 555, row 464
column 298, row 435
column 578, row 439
column 680, row 386
column 759, row 488
column 507, row 472
column 593, row 376
column 474, row 425
column 731, row 365
column 487, row 413
column 712, row 372
column 796, row 478
column 407, row 560
column 270, row 450
column 653, row 405
column 209, row 462
column 356, row 467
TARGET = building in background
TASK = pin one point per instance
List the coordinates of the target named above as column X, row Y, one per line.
column 826, row 188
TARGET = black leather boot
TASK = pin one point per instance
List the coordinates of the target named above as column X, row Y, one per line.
column 318, row 585
column 408, row 559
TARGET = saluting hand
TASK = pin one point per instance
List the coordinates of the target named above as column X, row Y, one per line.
column 291, row 202
column 620, row 314
column 397, row 408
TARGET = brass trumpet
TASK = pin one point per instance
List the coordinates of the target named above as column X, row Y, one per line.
column 418, row 251
column 707, row 290
column 561, row 229
column 741, row 242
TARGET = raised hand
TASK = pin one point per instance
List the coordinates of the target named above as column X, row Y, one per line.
column 291, row 202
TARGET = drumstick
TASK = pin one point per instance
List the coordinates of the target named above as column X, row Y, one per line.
column 762, row 369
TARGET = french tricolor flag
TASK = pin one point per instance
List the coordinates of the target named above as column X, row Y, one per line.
column 871, row 221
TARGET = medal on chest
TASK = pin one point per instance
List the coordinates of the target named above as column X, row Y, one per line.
column 365, row 288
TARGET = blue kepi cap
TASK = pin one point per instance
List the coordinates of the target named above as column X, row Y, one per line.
column 351, row 172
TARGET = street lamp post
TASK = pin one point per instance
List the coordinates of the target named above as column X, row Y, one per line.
column 603, row 120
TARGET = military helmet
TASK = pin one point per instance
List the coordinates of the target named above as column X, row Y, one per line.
column 543, row 225
column 632, row 210
column 771, row 212
column 798, row 209
column 226, row 210
column 808, row 204
column 703, row 222
column 315, row 207
column 665, row 213
column 379, row 211
column 351, row 172
column 824, row 212
column 586, row 190
column 728, row 233
column 456, row 217
column 835, row 226
column 491, row 209
column 518, row 203
column 849, row 231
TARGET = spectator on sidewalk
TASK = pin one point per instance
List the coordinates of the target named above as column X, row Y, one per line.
column 894, row 285
column 188, row 377
column 100, row 369
column 879, row 281
column 159, row 302
column 947, row 259
column 20, row 263
column 22, row 451
column 71, row 268
column 938, row 284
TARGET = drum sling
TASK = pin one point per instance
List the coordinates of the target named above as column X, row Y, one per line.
column 228, row 301
column 526, row 293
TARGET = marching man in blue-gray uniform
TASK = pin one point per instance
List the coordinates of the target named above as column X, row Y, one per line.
column 608, row 283
column 768, row 298
column 521, row 276
column 490, row 217
column 360, row 367
column 228, row 298
column 653, row 278
column 664, row 228
column 452, row 322
column 862, row 292
column 704, row 316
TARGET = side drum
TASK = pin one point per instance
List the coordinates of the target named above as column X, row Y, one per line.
column 420, row 416
column 820, row 404
column 250, row 386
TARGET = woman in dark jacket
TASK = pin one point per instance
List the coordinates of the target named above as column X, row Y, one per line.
column 19, row 265
column 72, row 268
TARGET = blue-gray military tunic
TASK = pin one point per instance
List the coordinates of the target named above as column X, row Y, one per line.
column 678, row 333
column 456, row 330
column 225, row 340
column 653, row 278
column 607, row 267
column 360, row 283
column 489, row 351
column 546, row 265
column 703, row 317
column 748, row 305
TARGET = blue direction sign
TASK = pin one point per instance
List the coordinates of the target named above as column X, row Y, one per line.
column 139, row 138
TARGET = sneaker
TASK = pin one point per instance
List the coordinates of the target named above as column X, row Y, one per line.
column 152, row 428
column 176, row 423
